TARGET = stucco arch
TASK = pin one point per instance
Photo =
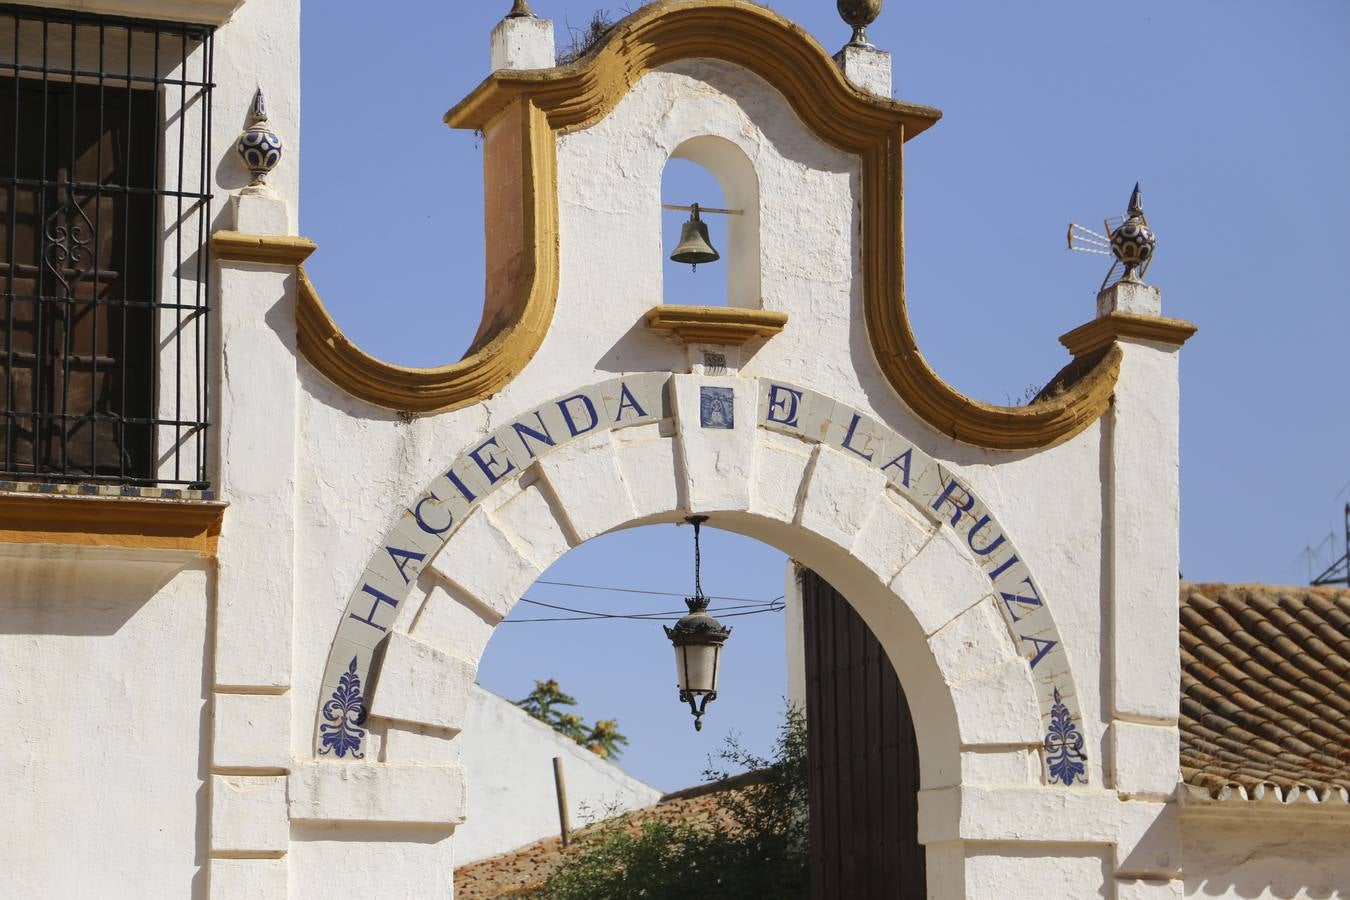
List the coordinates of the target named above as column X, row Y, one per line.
column 929, row 570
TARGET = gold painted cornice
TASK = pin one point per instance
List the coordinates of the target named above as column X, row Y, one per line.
column 730, row 325
column 577, row 95
column 488, row 368
column 269, row 249
column 1117, row 326
column 744, row 34
column 122, row 522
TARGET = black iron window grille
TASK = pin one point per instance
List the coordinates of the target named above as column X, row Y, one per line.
column 105, row 213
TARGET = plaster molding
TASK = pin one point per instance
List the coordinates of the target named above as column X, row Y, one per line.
column 111, row 522
column 266, row 249
column 874, row 128
column 208, row 12
column 488, row 368
column 571, row 97
column 1264, row 802
column 1118, row 326
column 728, row 325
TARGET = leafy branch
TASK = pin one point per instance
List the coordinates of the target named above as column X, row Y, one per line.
column 603, row 738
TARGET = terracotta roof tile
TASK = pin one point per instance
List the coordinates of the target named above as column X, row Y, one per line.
column 1265, row 693
column 517, row 872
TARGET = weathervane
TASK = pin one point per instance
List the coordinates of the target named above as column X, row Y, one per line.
column 1128, row 239
column 859, row 14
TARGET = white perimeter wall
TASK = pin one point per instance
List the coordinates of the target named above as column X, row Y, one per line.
column 1270, row 859
column 102, row 667
column 508, row 763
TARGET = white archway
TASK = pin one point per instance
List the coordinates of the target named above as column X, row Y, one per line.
column 918, row 555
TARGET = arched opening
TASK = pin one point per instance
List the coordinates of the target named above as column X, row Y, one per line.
column 855, row 504
column 716, row 174
column 861, row 770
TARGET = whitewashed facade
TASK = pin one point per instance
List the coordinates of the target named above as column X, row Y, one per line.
column 277, row 710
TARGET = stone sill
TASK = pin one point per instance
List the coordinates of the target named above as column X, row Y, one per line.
column 207, row 12
column 729, row 325
column 185, row 526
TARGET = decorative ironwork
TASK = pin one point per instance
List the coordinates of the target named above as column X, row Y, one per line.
column 105, row 270
column 860, row 14
column 1064, row 746
column 70, row 239
column 345, row 713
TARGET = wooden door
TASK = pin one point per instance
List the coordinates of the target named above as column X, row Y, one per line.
column 863, row 759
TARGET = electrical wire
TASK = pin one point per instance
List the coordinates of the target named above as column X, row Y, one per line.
column 751, row 608
column 619, row 590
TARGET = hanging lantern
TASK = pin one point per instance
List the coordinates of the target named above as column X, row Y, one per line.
column 698, row 640
column 695, row 246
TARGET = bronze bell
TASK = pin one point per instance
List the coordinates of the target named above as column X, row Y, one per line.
column 695, row 247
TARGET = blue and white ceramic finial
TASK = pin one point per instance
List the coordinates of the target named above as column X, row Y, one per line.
column 1136, row 207
column 1133, row 242
column 259, row 147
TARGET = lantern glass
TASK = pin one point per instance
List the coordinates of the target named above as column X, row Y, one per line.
column 696, row 667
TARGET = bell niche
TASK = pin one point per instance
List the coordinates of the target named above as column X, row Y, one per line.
column 710, row 219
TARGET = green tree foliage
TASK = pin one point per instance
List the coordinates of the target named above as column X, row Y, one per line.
column 756, row 846
column 603, row 738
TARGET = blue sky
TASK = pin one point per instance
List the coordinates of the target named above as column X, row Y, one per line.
column 1231, row 114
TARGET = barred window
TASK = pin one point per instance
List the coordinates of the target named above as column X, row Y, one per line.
column 105, row 209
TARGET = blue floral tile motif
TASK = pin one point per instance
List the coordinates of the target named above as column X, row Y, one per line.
column 1064, row 746
column 716, row 407
column 345, row 714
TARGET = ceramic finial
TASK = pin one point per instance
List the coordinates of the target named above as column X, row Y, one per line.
column 859, row 14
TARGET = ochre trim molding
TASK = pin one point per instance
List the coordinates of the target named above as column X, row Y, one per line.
column 580, row 94
column 1117, row 326
column 729, row 325
column 269, row 249
column 486, row 370
column 744, row 34
column 126, row 522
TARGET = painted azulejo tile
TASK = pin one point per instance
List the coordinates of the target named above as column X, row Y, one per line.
column 716, row 407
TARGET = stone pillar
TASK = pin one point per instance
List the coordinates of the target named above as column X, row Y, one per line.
column 1143, row 555
column 255, row 593
column 1140, row 535
column 523, row 42
column 868, row 68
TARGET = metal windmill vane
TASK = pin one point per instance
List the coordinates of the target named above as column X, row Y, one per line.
column 1128, row 238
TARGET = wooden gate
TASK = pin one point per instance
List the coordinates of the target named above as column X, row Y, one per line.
column 863, row 759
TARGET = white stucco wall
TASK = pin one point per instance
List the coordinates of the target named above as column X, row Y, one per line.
column 166, row 708
column 1267, row 857
column 102, row 658
column 508, row 761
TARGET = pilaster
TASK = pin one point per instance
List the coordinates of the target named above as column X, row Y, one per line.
column 867, row 68
column 255, row 591
column 522, row 42
column 1140, row 534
